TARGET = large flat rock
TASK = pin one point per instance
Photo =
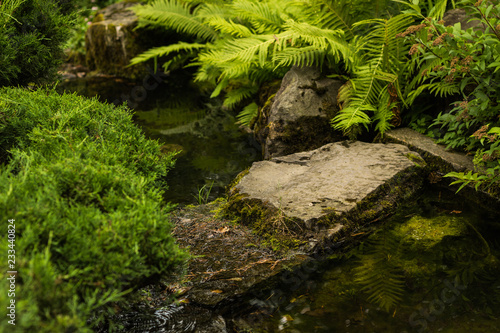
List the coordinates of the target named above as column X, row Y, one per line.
column 336, row 176
column 314, row 195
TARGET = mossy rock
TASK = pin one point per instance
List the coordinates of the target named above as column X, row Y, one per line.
column 313, row 200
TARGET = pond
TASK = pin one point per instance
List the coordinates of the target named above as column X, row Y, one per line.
column 432, row 267
column 212, row 147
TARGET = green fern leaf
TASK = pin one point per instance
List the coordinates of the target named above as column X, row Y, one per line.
column 248, row 113
column 235, row 96
column 174, row 15
column 165, row 50
column 265, row 17
column 229, row 27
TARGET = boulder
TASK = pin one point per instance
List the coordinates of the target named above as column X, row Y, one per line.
column 111, row 42
column 298, row 117
column 459, row 15
column 310, row 197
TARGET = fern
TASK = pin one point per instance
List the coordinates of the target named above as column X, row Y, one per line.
column 174, row 15
column 229, row 27
column 265, row 17
column 248, row 113
column 166, row 50
column 330, row 14
column 379, row 273
column 384, row 58
column 235, row 96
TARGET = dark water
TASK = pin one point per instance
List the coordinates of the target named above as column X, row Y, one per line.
column 442, row 251
column 213, row 149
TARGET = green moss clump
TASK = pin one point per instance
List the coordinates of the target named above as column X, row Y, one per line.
column 423, row 233
column 419, row 161
column 279, row 232
column 84, row 187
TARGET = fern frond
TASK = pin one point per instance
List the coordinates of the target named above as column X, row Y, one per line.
column 379, row 275
column 438, row 88
column 229, row 27
column 384, row 60
column 175, row 15
column 248, row 113
column 264, row 18
column 384, row 112
column 255, row 48
column 330, row 14
column 303, row 56
column 165, row 50
column 381, row 41
column 234, row 96
column 354, row 114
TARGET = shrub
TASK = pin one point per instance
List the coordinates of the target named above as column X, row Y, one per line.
column 85, row 189
column 31, row 40
column 464, row 64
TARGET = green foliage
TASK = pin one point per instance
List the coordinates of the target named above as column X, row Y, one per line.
column 375, row 83
column 85, row 189
column 451, row 61
column 203, row 194
column 379, row 273
column 31, row 40
column 247, row 43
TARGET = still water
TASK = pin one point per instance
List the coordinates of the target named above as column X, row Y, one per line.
column 432, row 267
column 212, row 148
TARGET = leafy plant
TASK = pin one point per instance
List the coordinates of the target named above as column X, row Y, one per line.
column 203, row 194
column 245, row 43
column 31, row 40
column 453, row 62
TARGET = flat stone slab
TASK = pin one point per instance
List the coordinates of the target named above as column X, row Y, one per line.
column 437, row 155
column 335, row 177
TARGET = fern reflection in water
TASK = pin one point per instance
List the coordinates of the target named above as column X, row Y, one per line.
column 402, row 269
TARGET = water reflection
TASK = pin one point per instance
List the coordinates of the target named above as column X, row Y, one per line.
column 169, row 108
column 437, row 260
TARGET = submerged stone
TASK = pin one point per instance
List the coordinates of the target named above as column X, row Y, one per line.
column 312, row 196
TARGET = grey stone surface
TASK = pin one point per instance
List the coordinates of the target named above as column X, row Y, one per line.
column 298, row 119
column 336, row 176
column 459, row 15
column 434, row 154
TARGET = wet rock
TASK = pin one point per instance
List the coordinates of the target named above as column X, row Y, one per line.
column 298, row 118
column 440, row 161
column 318, row 195
column 229, row 260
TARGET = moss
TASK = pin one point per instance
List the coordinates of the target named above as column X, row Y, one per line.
column 419, row 161
column 237, row 179
column 279, row 232
column 422, row 233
